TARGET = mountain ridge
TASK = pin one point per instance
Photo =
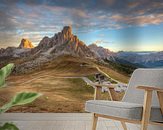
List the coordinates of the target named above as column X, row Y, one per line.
column 102, row 52
column 64, row 42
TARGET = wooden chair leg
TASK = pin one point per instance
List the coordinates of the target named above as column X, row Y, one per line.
column 124, row 125
column 146, row 110
column 94, row 122
column 160, row 98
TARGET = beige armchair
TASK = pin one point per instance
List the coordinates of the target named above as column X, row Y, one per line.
column 142, row 103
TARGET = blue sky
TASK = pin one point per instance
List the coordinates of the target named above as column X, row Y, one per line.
column 147, row 38
column 130, row 25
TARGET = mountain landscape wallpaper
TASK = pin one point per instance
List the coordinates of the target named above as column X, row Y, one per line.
column 56, row 44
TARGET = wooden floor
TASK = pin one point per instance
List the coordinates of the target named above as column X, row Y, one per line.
column 59, row 121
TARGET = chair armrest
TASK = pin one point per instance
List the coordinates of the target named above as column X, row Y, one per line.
column 98, row 89
column 147, row 88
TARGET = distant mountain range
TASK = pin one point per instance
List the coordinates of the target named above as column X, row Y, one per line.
column 146, row 59
column 138, row 59
column 28, row 57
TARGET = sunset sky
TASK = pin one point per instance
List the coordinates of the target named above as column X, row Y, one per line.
column 130, row 25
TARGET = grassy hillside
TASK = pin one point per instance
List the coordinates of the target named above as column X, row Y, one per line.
column 72, row 66
column 122, row 66
column 59, row 81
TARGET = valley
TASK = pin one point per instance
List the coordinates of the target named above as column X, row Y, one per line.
column 60, row 93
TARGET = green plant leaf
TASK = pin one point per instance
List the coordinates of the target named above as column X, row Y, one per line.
column 20, row 99
column 5, row 107
column 4, row 72
column 8, row 126
column 25, row 98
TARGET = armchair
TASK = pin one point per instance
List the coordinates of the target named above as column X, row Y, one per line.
column 137, row 106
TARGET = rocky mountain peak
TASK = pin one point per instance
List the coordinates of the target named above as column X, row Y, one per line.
column 64, row 42
column 93, row 45
column 101, row 52
column 25, row 43
column 67, row 30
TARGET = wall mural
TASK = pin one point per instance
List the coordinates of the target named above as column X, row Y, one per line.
column 59, row 47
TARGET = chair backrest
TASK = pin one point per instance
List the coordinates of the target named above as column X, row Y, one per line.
column 143, row 77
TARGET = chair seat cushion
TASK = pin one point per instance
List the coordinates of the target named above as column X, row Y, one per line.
column 131, row 111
